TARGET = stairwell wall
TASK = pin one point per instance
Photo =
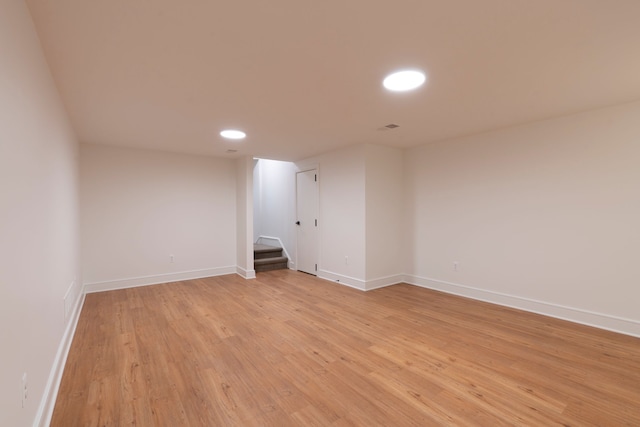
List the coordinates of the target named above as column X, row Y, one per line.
column 275, row 204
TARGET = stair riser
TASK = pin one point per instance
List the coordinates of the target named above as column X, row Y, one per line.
column 271, row 254
column 265, row 261
column 270, row 267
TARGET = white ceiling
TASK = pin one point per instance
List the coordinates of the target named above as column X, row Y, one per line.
column 303, row 77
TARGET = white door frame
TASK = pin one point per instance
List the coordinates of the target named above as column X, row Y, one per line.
column 316, row 250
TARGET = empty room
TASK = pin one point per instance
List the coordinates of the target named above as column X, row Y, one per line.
column 296, row 213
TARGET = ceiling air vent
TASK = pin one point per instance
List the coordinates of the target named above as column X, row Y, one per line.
column 389, row 126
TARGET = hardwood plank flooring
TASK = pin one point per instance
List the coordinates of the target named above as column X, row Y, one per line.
column 288, row 349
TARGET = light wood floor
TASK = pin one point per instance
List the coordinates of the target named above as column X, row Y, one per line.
column 290, row 349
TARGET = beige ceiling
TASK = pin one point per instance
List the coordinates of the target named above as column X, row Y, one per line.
column 304, row 76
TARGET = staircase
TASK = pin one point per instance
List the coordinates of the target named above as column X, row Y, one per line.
column 267, row 258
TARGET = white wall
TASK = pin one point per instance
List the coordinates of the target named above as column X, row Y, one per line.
column 244, row 217
column 384, row 216
column 542, row 216
column 38, row 223
column 361, row 215
column 275, row 204
column 341, row 176
column 256, row 198
column 139, row 207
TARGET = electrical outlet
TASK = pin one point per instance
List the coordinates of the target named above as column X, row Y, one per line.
column 346, row 260
column 171, row 258
column 23, row 389
column 456, row 266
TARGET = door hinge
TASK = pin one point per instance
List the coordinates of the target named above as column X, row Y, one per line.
column 315, row 177
column 316, row 267
column 316, row 222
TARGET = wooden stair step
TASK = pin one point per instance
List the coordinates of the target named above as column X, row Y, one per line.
column 273, row 260
column 267, row 258
column 268, row 264
column 266, row 251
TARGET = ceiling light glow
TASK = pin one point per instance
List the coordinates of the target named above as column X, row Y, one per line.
column 233, row 134
column 404, row 80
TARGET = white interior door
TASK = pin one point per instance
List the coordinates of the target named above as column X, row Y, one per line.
column 307, row 221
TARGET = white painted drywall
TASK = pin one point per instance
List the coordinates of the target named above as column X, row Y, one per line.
column 361, row 215
column 244, row 217
column 38, row 220
column 546, row 212
column 384, row 213
column 256, row 198
column 275, row 203
column 139, row 207
column 341, row 176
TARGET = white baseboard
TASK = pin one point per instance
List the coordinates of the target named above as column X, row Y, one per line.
column 585, row 317
column 247, row 274
column 111, row 285
column 343, row 280
column 45, row 409
column 382, row 282
column 363, row 285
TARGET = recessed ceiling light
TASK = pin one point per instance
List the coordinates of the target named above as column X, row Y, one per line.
column 233, row 134
column 404, row 80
